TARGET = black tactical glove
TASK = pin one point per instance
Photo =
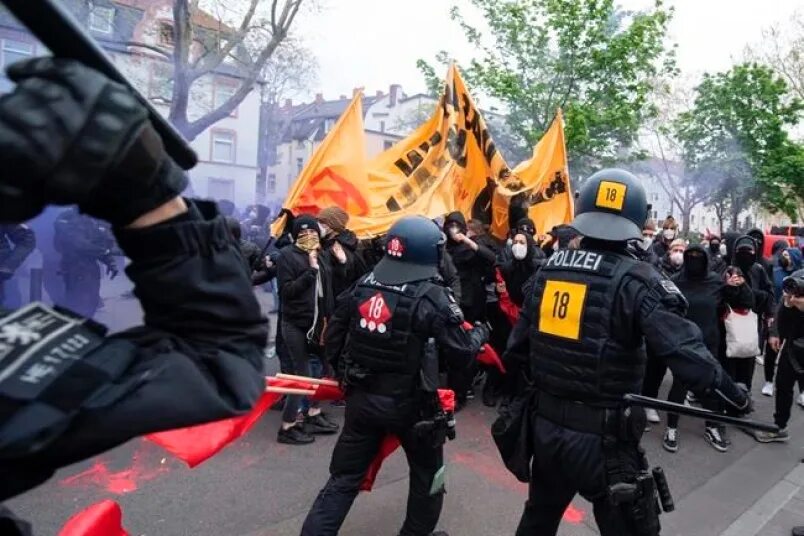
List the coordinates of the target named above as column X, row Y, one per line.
column 738, row 401
column 69, row 135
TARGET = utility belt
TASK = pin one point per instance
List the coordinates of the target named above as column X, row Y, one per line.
column 622, row 423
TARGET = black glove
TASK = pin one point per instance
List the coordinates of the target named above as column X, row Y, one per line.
column 738, row 402
column 483, row 331
column 69, row 135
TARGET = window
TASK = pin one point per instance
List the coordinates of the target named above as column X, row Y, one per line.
column 223, row 146
column 161, row 86
column 692, row 219
column 271, row 183
column 166, row 34
column 387, row 144
column 382, row 126
column 220, row 189
column 655, row 214
column 224, row 90
column 300, row 144
column 299, row 165
column 101, row 19
column 13, row 51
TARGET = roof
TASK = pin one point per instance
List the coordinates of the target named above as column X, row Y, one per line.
column 199, row 18
column 308, row 121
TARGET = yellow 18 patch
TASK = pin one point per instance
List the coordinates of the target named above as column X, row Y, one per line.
column 562, row 309
column 611, row 195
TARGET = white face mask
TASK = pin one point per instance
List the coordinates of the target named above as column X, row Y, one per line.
column 645, row 243
column 669, row 234
column 677, row 258
column 520, row 251
column 723, row 249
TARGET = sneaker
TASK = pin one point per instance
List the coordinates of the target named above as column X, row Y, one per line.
column 653, row 416
column 294, row 435
column 800, row 400
column 767, row 389
column 760, row 360
column 773, row 437
column 320, row 424
column 714, row 438
column 670, row 441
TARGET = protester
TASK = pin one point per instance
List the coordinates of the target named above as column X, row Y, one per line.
column 669, row 233
column 787, row 261
column 708, row 298
column 521, row 267
column 716, row 250
column 787, row 338
column 759, row 237
column 305, row 288
column 643, row 249
column 341, row 243
column 673, row 260
column 248, row 249
column 473, row 263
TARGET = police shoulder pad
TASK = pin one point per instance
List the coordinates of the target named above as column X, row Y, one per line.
column 444, row 302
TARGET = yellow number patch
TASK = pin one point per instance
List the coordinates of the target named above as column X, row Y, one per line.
column 562, row 309
column 611, row 195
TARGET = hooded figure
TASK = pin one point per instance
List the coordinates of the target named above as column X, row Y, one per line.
column 708, row 295
column 522, row 265
column 347, row 265
column 716, row 251
column 759, row 238
column 673, row 260
column 744, row 257
column 474, row 263
column 788, row 261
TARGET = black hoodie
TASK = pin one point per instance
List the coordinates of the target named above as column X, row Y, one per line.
column 759, row 238
column 708, row 295
column 517, row 272
column 756, row 277
column 344, row 275
column 474, row 268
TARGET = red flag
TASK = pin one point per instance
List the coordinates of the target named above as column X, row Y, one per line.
column 196, row 444
column 446, row 397
column 101, row 519
column 487, row 355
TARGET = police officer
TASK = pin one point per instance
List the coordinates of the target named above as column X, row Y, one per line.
column 582, row 337
column 69, row 135
column 377, row 337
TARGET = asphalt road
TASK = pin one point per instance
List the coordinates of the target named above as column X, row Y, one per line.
column 257, row 487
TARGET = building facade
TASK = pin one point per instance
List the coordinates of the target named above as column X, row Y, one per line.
column 133, row 32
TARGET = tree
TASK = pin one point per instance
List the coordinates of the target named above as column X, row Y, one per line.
column 588, row 57
column 782, row 49
column 735, row 135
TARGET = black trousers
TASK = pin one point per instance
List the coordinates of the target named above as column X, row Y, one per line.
column 566, row 463
column 295, row 342
column 655, row 369
column 369, row 418
column 741, row 369
column 786, row 378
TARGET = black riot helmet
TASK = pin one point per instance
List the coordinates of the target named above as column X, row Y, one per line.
column 612, row 206
column 412, row 251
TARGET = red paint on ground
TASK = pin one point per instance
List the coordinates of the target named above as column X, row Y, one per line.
column 119, row 482
column 574, row 515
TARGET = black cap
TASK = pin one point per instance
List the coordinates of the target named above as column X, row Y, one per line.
column 304, row 222
column 612, row 206
column 412, row 252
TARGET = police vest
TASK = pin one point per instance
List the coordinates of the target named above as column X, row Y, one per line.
column 575, row 352
column 52, row 365
column 381, row 337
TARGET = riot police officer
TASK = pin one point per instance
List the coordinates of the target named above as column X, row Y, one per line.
column 377, row 337
column 69, row 135
column 582, row 336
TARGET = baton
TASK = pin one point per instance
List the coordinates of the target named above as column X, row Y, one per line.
column 58, row 30
column 681, row 409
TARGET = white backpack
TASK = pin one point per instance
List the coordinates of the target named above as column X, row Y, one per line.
column 742, row 334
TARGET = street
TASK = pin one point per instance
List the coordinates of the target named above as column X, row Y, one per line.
column 257, row 487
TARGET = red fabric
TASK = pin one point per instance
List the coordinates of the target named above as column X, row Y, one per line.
column 487, row 354
column 196, row 444
column 101, row 519
column 509, row 308
column 446, row 397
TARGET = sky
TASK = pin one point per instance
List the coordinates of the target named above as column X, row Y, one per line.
column 375, row 43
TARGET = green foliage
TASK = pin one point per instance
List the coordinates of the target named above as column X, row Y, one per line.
column 736, row 135
column 588, row 57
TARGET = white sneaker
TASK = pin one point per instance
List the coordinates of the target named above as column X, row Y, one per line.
column 767, row 389
column 800, row 400
column 653, row 415
column 760, row 360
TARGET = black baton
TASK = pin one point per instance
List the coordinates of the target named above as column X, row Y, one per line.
column 681, row 409
column 58, row 30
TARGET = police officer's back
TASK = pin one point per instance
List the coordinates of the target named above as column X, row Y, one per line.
column 581, row 338
column 377, row 338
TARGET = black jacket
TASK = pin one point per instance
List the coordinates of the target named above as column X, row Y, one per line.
column 474, row 268
column 757, row 278
column 343, row 275
column 198, row 357
column 667, row 268
column 517, row 272
column 708, row 296
column 297, row 289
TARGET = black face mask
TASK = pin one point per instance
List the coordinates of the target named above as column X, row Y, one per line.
column 695, row 265
column 714, row 247
column 745, row 258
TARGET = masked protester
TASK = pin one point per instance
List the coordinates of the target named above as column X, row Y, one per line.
column 643, row 249
column 759, row 237
column 673, row 260
column 716, row 251
column 708, row 297
column 341, row 243
column 788, row 260
column 668, row 233
column 305, row 290
column 787, row 338
column 72, row 136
